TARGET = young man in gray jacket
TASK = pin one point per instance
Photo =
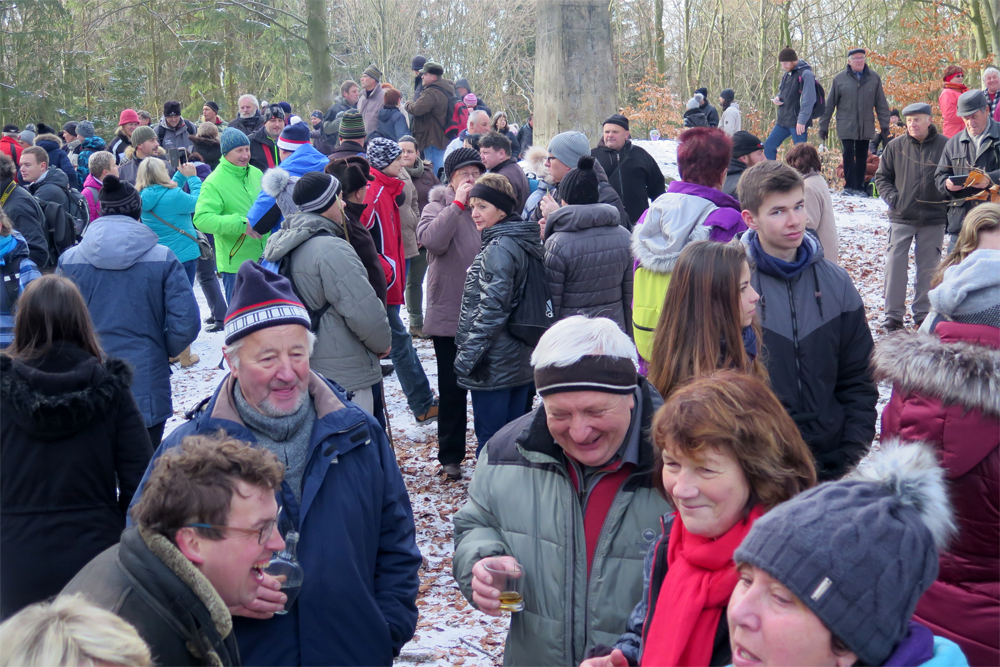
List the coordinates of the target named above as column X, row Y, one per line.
column 917, row 213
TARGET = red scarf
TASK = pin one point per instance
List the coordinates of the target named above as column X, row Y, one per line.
column 700, row 578
column 960, row 87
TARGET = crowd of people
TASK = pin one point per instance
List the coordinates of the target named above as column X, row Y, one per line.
column 673, row 384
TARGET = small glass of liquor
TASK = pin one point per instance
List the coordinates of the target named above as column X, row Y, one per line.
column 509, row 578
column 285, row 567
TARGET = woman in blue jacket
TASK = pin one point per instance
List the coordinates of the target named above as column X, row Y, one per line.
column 165, row 203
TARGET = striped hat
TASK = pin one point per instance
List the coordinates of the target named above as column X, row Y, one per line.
column 294, row 137
column 262, row 299
column 352, row 125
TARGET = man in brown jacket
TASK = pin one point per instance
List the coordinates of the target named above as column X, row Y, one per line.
column 430, row 113
column 495, row 150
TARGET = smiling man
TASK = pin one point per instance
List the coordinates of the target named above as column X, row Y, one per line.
column 205, row 529
column 342, row 492
column 815, row 330
column 567, row 492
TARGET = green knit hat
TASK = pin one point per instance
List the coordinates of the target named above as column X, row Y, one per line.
column 142, row 134
column 352, row 125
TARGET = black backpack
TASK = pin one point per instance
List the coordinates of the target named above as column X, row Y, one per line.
column 533, row 314
column 79, row 210
column 819, row 107
column 60, row 227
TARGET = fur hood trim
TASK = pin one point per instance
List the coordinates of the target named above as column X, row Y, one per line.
column 204, row 141
column 178, row 563
column 130, row 153
column 441, row 194
column 50, row 137
column 60, row 413
column 275, row 180
column 911, row 473
column 954, row 372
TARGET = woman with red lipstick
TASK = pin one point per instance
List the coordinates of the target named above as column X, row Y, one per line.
column 729, row 453
column 710, row 286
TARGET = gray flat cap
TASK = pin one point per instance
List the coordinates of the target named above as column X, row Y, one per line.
column 917, row 108
column 970, row 102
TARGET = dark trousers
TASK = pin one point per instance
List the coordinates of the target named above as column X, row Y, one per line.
column 855, row 162
column 156, row 434
column 452, row 403
column 210, row 288
column 492, row 410
column 378, row 407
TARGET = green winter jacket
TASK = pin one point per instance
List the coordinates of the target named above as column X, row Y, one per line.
column 225, row 199
column 522, row 503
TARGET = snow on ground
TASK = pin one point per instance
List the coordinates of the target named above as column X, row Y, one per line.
column 450, row 631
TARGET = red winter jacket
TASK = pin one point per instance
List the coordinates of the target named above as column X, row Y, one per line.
column 946, row 392
column 381, row 217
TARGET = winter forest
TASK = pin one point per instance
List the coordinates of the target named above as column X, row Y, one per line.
column 66, row 59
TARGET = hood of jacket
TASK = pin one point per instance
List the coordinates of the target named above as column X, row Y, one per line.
column 198, row 140
column 523, row 232
column 18, row 251
column 441, row 194
column 116, row 242
column 62, row 391
column 977, row 274
column 49, row 142
column 53, row 175
column 575, row 218
column 302, row 161
column 801, row 66
column 92, row 182
column 296, row 230
column 446, row 86
column 735, row 167
column 387, row 113
column 94, row 143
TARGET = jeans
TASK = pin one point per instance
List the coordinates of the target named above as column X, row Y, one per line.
column 929, row 240
column 190, row 269
column 451, row 411
column 436, row 156
column 416, row 267
column 492, row 410
column 228, row 283
column 855, row 163
column 778, row 136
column 210, row 288
column 411, row 374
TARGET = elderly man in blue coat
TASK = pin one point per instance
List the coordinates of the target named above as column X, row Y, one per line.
column 298, row 157
column 343, row 492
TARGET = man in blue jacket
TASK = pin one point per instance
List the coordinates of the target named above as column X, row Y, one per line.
column 138, row 296
column 342, row 492
column 297, row 158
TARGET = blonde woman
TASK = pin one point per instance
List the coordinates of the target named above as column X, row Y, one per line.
column 70, row 632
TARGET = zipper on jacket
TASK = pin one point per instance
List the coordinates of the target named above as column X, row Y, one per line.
column 795, row 342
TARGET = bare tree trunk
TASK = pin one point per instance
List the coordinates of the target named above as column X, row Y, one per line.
column 573, row 36
column 661, row 58
column 319, row 56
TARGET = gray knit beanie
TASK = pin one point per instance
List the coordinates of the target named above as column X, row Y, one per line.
column 860, row 552
column 569, row 147
column 85, row 129
column 970, row 291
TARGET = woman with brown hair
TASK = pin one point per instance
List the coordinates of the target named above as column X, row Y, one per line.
column 73, row 445
column 728, row 453
column 819, row 205
column 391, row 121
column 707, row 321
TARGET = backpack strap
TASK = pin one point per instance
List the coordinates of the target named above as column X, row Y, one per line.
column 6, row 193
column 12, row 281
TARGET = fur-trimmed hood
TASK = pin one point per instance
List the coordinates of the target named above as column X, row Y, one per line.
column 49, row 404
column 442, row 194
column 953, row 371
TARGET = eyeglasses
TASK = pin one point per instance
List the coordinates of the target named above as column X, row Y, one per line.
column 264, row 533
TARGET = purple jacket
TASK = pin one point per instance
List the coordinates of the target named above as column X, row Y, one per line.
column 726, row 221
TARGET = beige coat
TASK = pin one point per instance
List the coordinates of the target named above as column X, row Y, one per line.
column 409, row 216
column 369, row 106
column 819, row 209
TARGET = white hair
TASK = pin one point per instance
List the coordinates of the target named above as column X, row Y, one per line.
column 569, row 340
column 248, row 96
column 475, row 115
column 232, row 352
column 72, row 632
column 990, row 70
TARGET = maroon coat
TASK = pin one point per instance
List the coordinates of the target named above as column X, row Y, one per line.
column 946, row 392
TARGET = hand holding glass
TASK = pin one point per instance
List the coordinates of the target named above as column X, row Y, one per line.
column 497, row 585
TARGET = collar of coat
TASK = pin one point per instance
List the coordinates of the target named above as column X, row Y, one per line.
column 537, row 445
column 178, row 563
column 325, row 401
column 959, row 369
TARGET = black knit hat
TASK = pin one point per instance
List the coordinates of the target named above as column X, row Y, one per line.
column 119, row 198
column 262, row 299
column 461, row 157
column 617, row 119
column 214, row 106
column 353, row 172
column 788, row 55
column 703, row 91
column 580, row 185
column 745, row 143
column 418, row 63
column 172, row 109
column 315, row 191
column 70, row 127
column 728, row 95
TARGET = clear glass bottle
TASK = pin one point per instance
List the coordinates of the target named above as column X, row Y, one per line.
column 285, row 566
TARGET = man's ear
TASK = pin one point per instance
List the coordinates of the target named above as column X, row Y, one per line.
column 191, row 544
column 748, row 219
column 232, row 367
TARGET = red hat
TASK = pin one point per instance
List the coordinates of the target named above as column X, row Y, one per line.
column 128, row 116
